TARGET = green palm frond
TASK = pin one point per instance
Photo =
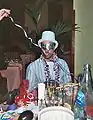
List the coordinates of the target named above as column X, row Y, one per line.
column 62, row 28
column 35, row 12
column 30, row 12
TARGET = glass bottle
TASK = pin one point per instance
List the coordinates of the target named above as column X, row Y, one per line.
column 85, row 91
column 89, row 91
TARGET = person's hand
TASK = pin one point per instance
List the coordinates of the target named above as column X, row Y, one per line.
column 4, row 13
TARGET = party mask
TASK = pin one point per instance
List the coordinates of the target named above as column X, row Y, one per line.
column 48, row 46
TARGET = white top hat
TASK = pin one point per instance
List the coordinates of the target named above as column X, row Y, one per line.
column 49, row 36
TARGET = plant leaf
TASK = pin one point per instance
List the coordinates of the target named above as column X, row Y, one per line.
column 35, row 11
column 61, row 28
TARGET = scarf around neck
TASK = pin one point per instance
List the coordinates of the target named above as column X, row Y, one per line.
column 56, row 69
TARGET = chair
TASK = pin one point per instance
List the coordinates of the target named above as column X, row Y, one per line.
column 56, row 113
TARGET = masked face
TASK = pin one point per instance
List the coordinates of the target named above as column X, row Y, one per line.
column 48, row 49
column 48, row 46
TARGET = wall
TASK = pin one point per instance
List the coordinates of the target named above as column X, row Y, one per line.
column 83, row 39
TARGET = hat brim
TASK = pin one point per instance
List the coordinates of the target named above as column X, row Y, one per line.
column 41, row 40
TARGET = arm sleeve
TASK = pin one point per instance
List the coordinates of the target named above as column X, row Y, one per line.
column 66, row 73
column 30, row 75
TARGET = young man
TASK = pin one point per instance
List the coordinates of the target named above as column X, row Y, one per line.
column 48, row 67
column 4, row 13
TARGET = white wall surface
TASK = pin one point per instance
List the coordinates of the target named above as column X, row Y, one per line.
column 83, row 39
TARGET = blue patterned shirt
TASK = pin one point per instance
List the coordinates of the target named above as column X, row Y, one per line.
column 35, row 73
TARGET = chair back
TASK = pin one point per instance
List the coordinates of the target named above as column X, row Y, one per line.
column 56, row 113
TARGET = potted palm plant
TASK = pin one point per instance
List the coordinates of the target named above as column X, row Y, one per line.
column 61, row 28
